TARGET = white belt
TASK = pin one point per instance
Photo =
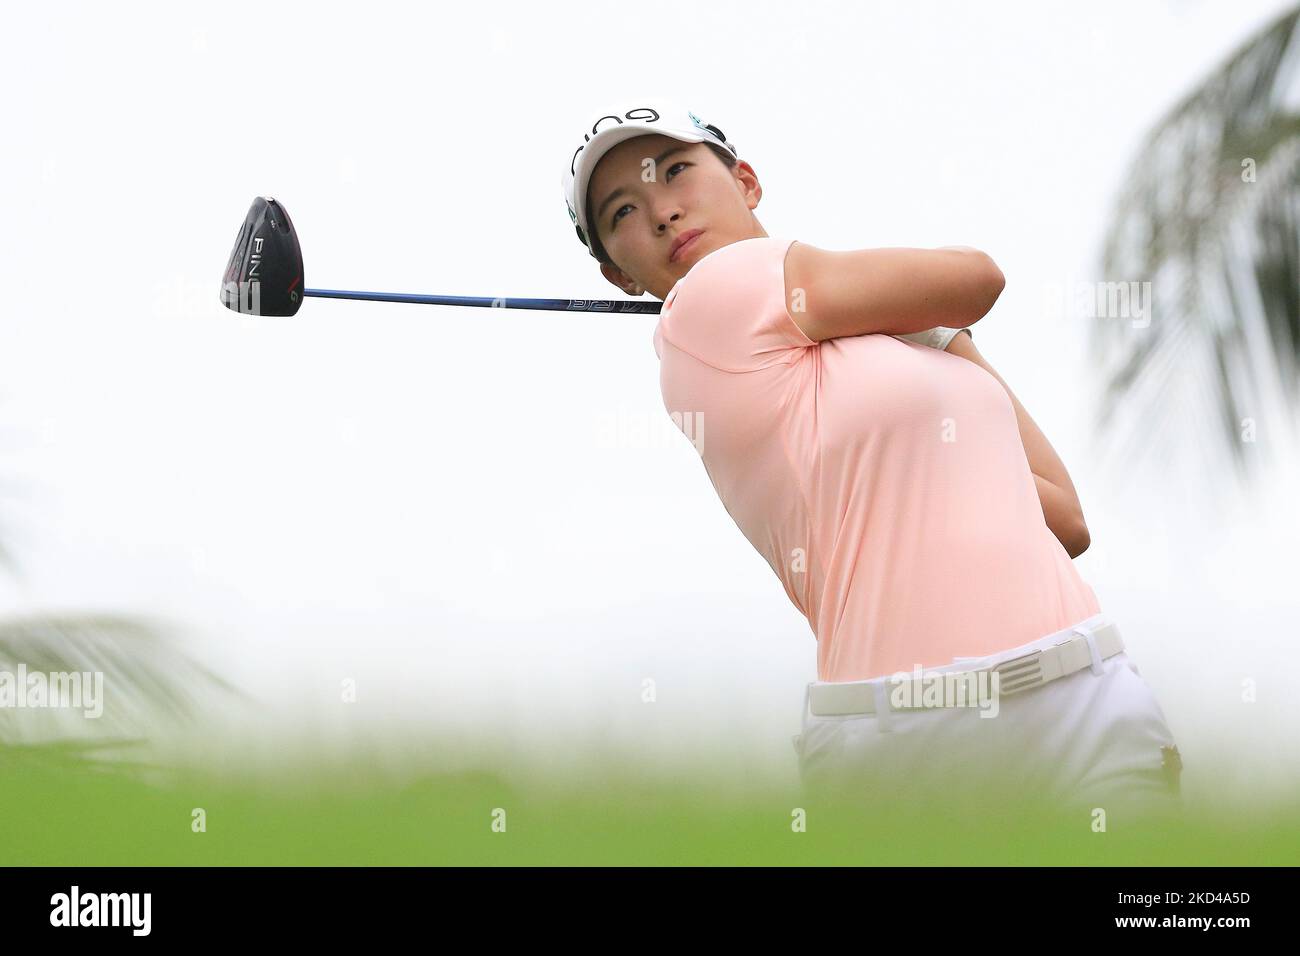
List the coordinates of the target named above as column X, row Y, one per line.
column 828, row 699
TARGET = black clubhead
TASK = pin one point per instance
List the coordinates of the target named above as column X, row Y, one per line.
column 264, row 276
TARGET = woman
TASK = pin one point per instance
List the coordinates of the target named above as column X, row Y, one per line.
column 910, row 507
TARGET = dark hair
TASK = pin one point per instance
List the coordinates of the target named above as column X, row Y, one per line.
column 728, row 159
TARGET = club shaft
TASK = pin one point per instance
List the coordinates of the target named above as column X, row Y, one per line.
column 551, row 305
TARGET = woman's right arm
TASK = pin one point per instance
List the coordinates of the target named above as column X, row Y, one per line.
column 891, row 290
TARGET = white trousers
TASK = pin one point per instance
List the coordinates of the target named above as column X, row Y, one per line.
column 1093, row 738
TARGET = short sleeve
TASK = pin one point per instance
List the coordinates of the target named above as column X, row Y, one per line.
column 936, row 338
column 729, row 311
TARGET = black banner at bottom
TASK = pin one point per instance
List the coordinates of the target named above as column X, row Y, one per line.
column 333, row 905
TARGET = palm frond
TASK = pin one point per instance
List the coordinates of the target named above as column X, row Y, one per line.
column 149, row 683
column 1221, row 253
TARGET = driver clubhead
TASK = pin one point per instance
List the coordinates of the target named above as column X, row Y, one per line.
column 264, row 275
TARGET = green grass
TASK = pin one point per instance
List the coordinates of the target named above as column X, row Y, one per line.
column 60, row 809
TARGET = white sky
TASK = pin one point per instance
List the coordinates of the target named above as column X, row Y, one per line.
column 421, row 498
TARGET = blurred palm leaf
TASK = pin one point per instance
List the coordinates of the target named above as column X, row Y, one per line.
column 1222, row 254
column 150, row 684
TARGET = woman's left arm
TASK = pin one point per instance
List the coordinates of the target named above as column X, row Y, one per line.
column 1056, row 492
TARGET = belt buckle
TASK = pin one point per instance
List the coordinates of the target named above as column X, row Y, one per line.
column 1020, row 673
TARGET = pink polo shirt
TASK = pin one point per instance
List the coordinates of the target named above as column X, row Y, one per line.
column 883, row 479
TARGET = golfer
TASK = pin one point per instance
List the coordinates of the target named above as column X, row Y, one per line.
column 908, row 504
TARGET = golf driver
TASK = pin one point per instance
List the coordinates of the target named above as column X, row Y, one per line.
column 264, row 276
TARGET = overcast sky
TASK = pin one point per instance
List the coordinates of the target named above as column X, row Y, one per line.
column 485, row 518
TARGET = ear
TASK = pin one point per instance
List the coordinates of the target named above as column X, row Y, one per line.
column 749, row 184
column 621, row 279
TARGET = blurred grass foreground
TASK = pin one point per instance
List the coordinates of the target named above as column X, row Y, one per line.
column 59, row 808
column 183, row 769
